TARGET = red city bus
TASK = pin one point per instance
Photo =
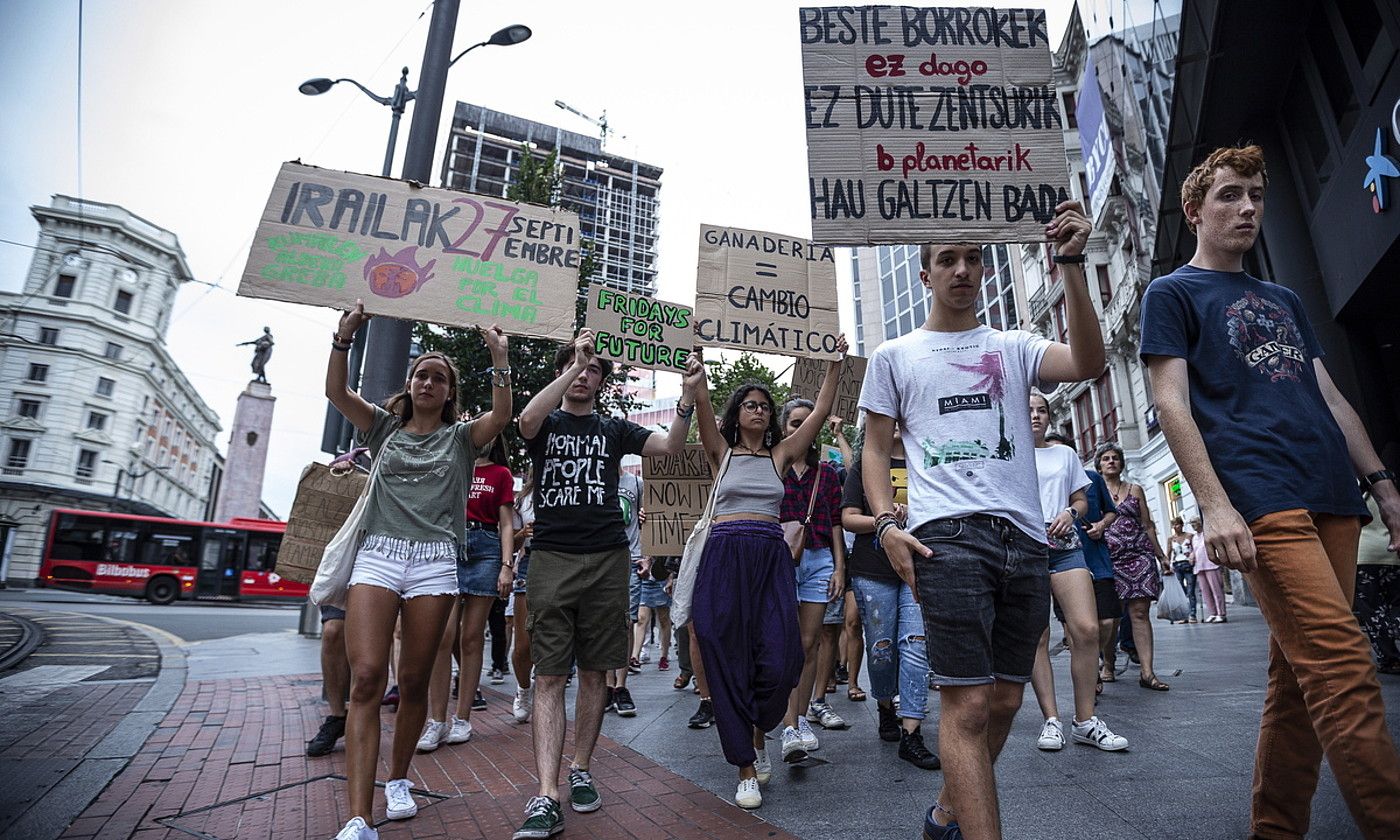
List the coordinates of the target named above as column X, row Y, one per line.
column 164, row 559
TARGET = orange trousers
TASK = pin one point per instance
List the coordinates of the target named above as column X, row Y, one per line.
column 1323, row 697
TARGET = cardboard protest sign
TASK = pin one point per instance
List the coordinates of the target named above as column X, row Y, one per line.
column 424, row 254
column 930, row 124
column 323, row 502
column 766, row 292
column 675, row 490
column 807, row 376
column 640, row 330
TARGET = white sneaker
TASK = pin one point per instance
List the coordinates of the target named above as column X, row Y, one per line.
column 762, row 765
column 356, row 829
column 523, row 703
column 823, row 714
column 646, row 655
column 398, row 801
column 460, row 731
column 434, row 731
column 1096, row 733
column 748, row 796
column 1052, row 735
column 809, row 738
column 793, row 751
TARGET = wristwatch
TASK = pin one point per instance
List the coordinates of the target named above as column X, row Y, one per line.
column 1375, row 478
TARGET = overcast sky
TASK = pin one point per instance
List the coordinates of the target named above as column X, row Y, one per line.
column 189, row 106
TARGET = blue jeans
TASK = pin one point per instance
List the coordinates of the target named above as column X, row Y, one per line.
column 895, row 651
column 1188, row 583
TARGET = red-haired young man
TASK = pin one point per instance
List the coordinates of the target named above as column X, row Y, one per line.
column 1272, row 452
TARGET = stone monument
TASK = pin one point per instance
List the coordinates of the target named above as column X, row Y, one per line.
column 241, row 493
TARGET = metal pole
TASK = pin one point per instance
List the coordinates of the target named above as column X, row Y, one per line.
column 389, row 339
column 336, row 433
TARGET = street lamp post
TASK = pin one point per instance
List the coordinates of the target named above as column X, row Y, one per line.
column 391, row 337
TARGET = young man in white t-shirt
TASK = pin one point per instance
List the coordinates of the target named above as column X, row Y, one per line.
column 975, row 549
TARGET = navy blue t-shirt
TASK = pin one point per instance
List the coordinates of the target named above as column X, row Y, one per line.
column 1100, row 505
column 1254, row 393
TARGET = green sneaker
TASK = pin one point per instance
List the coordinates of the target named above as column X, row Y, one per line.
column 542, row 819
column 583, row 794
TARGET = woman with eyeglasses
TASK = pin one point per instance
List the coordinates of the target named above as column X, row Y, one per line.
column 744, row 608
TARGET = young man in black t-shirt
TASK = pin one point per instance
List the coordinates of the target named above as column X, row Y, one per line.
column 579, row 559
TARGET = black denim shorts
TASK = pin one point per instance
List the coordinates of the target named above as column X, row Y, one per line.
column 985, row 597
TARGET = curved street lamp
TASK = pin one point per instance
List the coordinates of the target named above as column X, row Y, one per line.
column 336, row 427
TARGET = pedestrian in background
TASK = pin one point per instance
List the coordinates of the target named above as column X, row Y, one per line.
column 1063, row 488
column 1183, row 562
column 1138, row 561
column 897, row 650
column 1208, row 579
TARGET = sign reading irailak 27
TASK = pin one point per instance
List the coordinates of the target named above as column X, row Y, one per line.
column 930, row 125
column 327, row 238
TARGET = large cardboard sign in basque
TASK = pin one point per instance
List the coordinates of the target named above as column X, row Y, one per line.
column 639, row 330
column 766, row 292
column 327, row 238
column 675, row 489
column 930, row 124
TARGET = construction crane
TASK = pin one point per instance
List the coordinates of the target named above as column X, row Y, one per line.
column 602, row 122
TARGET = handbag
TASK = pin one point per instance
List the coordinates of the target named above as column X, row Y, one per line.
column 795, row 530
column 332, row 580
column 684, row 591
column 1173, row 605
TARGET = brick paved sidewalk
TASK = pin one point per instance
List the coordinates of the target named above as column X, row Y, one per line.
column 237, row 741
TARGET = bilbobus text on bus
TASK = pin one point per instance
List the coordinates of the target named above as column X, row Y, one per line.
column 162, row 560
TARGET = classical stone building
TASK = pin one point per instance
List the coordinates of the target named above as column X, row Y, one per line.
column 94, row 413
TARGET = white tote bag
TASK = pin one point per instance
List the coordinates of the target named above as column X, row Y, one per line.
column 332, row 580
column 684, row 590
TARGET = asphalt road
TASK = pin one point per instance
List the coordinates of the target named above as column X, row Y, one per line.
column 191, row 621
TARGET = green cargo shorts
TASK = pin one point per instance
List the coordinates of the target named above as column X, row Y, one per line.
column 578, row 610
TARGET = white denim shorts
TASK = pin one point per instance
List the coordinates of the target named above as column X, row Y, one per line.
column 406, row 567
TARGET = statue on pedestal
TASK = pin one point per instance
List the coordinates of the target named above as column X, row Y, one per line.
column 262, row 351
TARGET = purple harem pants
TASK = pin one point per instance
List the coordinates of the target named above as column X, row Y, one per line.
column 744, row 614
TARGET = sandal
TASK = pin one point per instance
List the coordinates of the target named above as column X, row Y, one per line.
column 682, row 680
column 1098, row 685
column 855, row 695
column 1105, row 675
column 1153, row 683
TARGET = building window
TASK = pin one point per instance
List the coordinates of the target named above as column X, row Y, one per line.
column 48, row 335
column 97, row 421
column 105, row 386
column 63, row 287
column 1084, row 422
column 113, row 351
column 1071, row 120
column 17, row 458
column 29, row 408
column 38, row 373
column 1061, row 324
column 87, row 463
column 1108, row 406
column 1105, row 285
column 124, row 299
column 1171, row 491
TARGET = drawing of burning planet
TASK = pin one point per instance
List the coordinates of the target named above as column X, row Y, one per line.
column 397, row 275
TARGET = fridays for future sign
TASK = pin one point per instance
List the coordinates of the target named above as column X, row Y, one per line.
column 639, row 330
column 327, row 238
column 766, row 292
column 930, row 125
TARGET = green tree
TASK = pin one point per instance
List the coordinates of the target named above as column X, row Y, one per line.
column 726, row 377
column 538, row 181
